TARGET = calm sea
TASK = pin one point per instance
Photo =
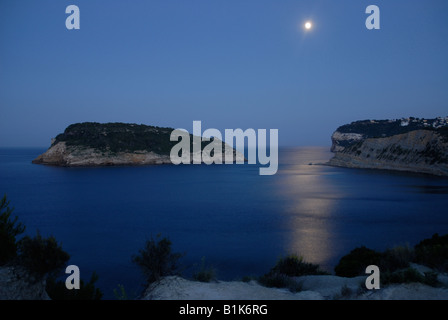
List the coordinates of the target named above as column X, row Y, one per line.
column 238, row 221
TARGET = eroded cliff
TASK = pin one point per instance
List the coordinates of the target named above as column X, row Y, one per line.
column 113, row 144
column 416, row 145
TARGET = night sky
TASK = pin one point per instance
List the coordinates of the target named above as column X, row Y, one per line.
column 231, row 64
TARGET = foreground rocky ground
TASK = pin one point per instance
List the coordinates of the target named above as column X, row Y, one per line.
column 319, row 287
column 13, row 286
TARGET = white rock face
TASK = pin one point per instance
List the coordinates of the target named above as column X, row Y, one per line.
column 341, row 139
column 76, row 156
column 422, row 151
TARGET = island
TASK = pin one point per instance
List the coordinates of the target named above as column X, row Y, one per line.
column 90, row 144
column 407, row 144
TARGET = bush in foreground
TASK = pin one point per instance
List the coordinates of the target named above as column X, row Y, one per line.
column 10, row 228
column 281, row 275
column 294, row 266
column 41, row 256
column 355, row 263
column 57, row 290
column 156, row 259
column 395, row 263
column 205, row 273
column 433, row 252
column 409, row 275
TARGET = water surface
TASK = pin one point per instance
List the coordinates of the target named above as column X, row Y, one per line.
column 239, row 221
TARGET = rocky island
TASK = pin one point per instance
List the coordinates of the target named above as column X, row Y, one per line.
column 112, row 144
column 408, row 144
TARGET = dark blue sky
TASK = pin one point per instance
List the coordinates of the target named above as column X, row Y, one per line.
column 231, row 64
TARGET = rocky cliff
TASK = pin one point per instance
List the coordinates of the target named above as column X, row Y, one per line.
column 112, row 144
column 416, row 145
column 15, row 284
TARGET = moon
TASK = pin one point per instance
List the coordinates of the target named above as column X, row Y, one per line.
column 308, row 25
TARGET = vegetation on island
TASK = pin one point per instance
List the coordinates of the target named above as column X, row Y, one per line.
column 387, row 128
column 121, row 137
column 118, row 137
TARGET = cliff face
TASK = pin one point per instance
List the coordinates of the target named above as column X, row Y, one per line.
column 417, row 148
column 112, row 144
column 76, row 156
column 14, row 286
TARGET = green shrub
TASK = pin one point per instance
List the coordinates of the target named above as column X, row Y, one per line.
column 280, row 276
column 403, row 276
column 409, row 275
column 41, row 256
column 278, row 280
column 205, row 273
column 57, row 290
column 355, row 263
column 396, row 258
column 9, row 230
column 433, row 252
column 294, row 266
column 156, row 259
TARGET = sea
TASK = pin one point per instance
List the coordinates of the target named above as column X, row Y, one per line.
column 225, row 217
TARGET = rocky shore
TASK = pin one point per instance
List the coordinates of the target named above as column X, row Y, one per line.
column 60, row 154
column 117, row 144
column 390, row 145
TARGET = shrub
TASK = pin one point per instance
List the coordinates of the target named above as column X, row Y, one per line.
column 403, row 276
column 156, row 259
column 41, row 256
column 57, row 290
column 205, row 273
column 278, row 280
column 433, row 252
column 294, row 266
column 409, row 275
column 9, row 230
column 280, row 276
column 396, row 258
column 355, row 263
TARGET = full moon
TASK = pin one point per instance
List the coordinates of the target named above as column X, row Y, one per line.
column 308, row 25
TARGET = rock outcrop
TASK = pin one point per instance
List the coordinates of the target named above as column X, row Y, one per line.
column 415, row 145
column 60, row 154
column 16, row 285
column 313, row 287
column 114, row 144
